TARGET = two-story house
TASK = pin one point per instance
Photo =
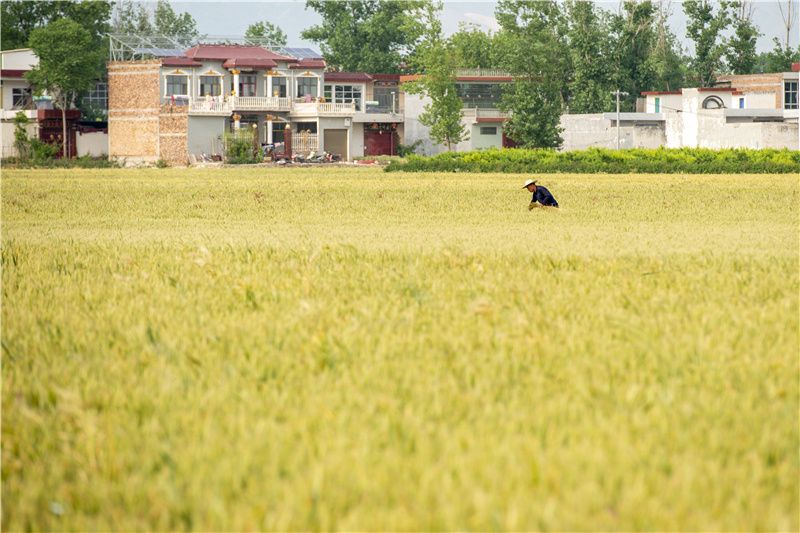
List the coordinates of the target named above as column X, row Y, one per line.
column 172, row 107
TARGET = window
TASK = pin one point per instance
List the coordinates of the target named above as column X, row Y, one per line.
column 279, row 86
column 308, row 127
column 344, row 94
column 277, row 132
column 741, row 103
column 177, row 86
column 658, row 104
column 210, row 86
column 247, row 85
column 306, row 87
column 386, row 98
column 20, row 97
column 483, row 95
column 488, row 130
column 790, row 95
column 98, row 96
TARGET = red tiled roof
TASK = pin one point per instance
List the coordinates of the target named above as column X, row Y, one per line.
column 715, row 89
column 309, row 62
column 795, row 67
column 347, row 76
column 180, row 62
column 12, row 73
column 222, row 52
column 249, row 63
column 660, row 93
column 385, row 77
column 490, row 119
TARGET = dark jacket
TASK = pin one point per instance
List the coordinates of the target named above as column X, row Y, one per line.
column 543, row 196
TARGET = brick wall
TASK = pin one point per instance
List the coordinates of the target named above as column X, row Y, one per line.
column 758, row 83
column 139, row 128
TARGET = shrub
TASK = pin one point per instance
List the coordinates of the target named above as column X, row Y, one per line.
column 596, row 160
column 240, row 147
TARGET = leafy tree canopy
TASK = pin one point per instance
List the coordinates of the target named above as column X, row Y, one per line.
column 133, row 17
column 67, row 63
column 472, row 47
column 434, row 57
column 705, row 27
column 19, row 18
column 366, row 35
column 266, row 32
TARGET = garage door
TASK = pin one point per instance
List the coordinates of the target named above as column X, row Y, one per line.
column 336, row 142
column 379, row 142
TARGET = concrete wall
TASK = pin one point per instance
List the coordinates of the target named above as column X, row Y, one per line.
column 8, row 87
column 481, row 141
column 7, row 136
column 21, row 59
column 414, row 130
column 357, row 140
column 94, row 144
column 204, row 133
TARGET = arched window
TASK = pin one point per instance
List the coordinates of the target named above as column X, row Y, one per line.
column 713, row 102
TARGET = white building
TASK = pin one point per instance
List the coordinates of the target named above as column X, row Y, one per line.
column 752, row 111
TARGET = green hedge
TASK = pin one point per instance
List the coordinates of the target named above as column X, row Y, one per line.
column 657, row 161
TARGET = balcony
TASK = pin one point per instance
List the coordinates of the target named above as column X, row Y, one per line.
column 323, row 109
column 261, row 103
column 480, row 114
column 210, row 107
column 482, row 73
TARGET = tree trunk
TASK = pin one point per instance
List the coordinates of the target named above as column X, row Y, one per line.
column 64, row 154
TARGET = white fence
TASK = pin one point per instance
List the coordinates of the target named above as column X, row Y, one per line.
column 303, row 143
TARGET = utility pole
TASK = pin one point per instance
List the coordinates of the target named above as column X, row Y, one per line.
column 618, row 93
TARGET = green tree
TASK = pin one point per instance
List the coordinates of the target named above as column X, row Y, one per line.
column 366, row 35
column 181, row 26
column 435, row 58
column 531, row 46
column 741, row 53
column 267, row 33
column 132, row 18
column 472, row 47
column 19, row 18
column 590, row 85
column 779, row 59
column 667, row 61
column 634, row 38
column 704, row 27
column 67, row 64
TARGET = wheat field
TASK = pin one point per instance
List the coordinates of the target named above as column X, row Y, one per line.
column 343, row 349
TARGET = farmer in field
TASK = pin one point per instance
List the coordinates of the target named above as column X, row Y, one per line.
column 540, row 195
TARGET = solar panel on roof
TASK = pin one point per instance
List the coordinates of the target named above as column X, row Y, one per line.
column 159, row 52
column 301, row 53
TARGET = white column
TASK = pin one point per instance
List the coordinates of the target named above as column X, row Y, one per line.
column 319, row 86
column 269, row 132
column 269, row 86
column 235, row 82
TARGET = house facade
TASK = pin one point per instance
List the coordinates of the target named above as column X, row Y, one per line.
column 179, row 108
column 480, row 91
column 45, row 122
column 748, row 111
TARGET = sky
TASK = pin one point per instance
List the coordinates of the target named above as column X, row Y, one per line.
column 231, row 18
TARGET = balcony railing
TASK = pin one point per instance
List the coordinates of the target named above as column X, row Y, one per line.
column 323, row 108
column 480, row 112
column 261, row 103
column 218, row 106
column 210, row 106
column 483, row 72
